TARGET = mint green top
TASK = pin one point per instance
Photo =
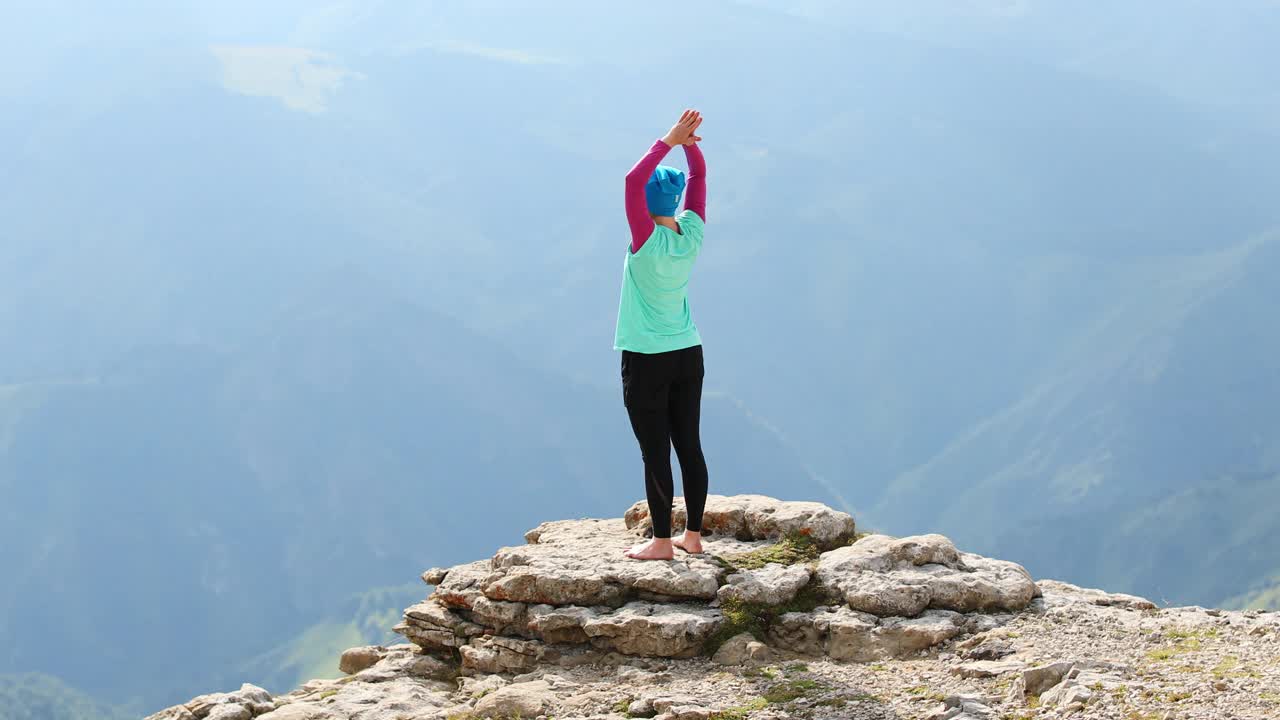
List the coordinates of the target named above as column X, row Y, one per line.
column 653, row 314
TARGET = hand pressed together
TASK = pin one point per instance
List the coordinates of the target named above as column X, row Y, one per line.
column 684, row 131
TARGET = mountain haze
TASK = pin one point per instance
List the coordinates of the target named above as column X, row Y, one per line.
column 296, row 300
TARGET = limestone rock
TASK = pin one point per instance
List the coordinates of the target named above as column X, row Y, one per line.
column 303, row 711
column 580, row 562
column 404, row 663
column 654, row 629
column 1065, row 694
column 432, row 625
column 984, row 647
column 798, row 633
column 686, row 712
column 756, row 517
column 1067, row 685
column 1038, row 679
column 741, row 649
column 904, row 577
column 497, row 654
column 478, row 687
column 641, row 708
column 355, row 659
column 988, row 668
column 499, row 615
column 1057, row 593
column 459, row 586
column 177, row 712
column 248, row 702
column 561, row 624
column 372, row 701
column 861, row 637
column 773, row 584
column 518, row 700
column 965, row 707
column 668, row 702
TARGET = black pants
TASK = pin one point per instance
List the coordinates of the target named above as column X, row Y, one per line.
column 663, row 395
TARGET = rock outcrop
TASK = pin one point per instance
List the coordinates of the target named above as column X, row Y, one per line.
column 865, row 598
column 787, row 614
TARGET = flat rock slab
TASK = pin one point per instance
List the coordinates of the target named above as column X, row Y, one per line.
column 988, row 668
column 432, row 625
column 756, row 517
column 773, row 584
column 905, row 576
column 581, row 562
column 845, row 634
column 519, row 700
column 388, row 700
column 249, row 701
column 654, row 629
column 1057, row 594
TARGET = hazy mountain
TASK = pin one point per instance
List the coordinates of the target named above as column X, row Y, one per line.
column 357, row 440
column 287, row 291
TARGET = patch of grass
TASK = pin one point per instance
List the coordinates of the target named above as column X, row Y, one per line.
column 785, row 692
column 1176, row 696
column 794, row 547
column 1186, row 645
column 740, row 712
column 1229, row 667
column 795, row 668
column 877, row 667
column 756, row 618
column 622, row 705
column 1270, row 697
column 739, row 617
column 1225, row 666
column 1135, row 715
column 923, row 692
column 1185, row 633
column 326, row 694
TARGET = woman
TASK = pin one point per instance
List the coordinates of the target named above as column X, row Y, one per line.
column 661, row 349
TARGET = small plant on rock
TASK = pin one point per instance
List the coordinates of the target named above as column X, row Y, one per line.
column 755, row 618
column 789, row 690
column 794, row 547
column 740, row 712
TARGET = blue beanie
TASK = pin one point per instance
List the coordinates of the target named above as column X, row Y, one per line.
column 663, row 190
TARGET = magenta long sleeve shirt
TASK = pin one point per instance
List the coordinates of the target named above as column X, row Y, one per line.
column 695, row 194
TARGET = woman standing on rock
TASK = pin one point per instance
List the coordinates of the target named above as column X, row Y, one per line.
column 661, row 350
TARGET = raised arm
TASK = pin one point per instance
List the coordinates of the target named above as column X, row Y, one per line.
column 637, row 207
column 683, row 132
column 695, row 192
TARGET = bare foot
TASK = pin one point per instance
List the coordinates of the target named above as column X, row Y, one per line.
column 690, row 543
column 655, row 549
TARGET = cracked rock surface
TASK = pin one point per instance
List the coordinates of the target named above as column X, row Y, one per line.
column 878, row 629
column 568, row 594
